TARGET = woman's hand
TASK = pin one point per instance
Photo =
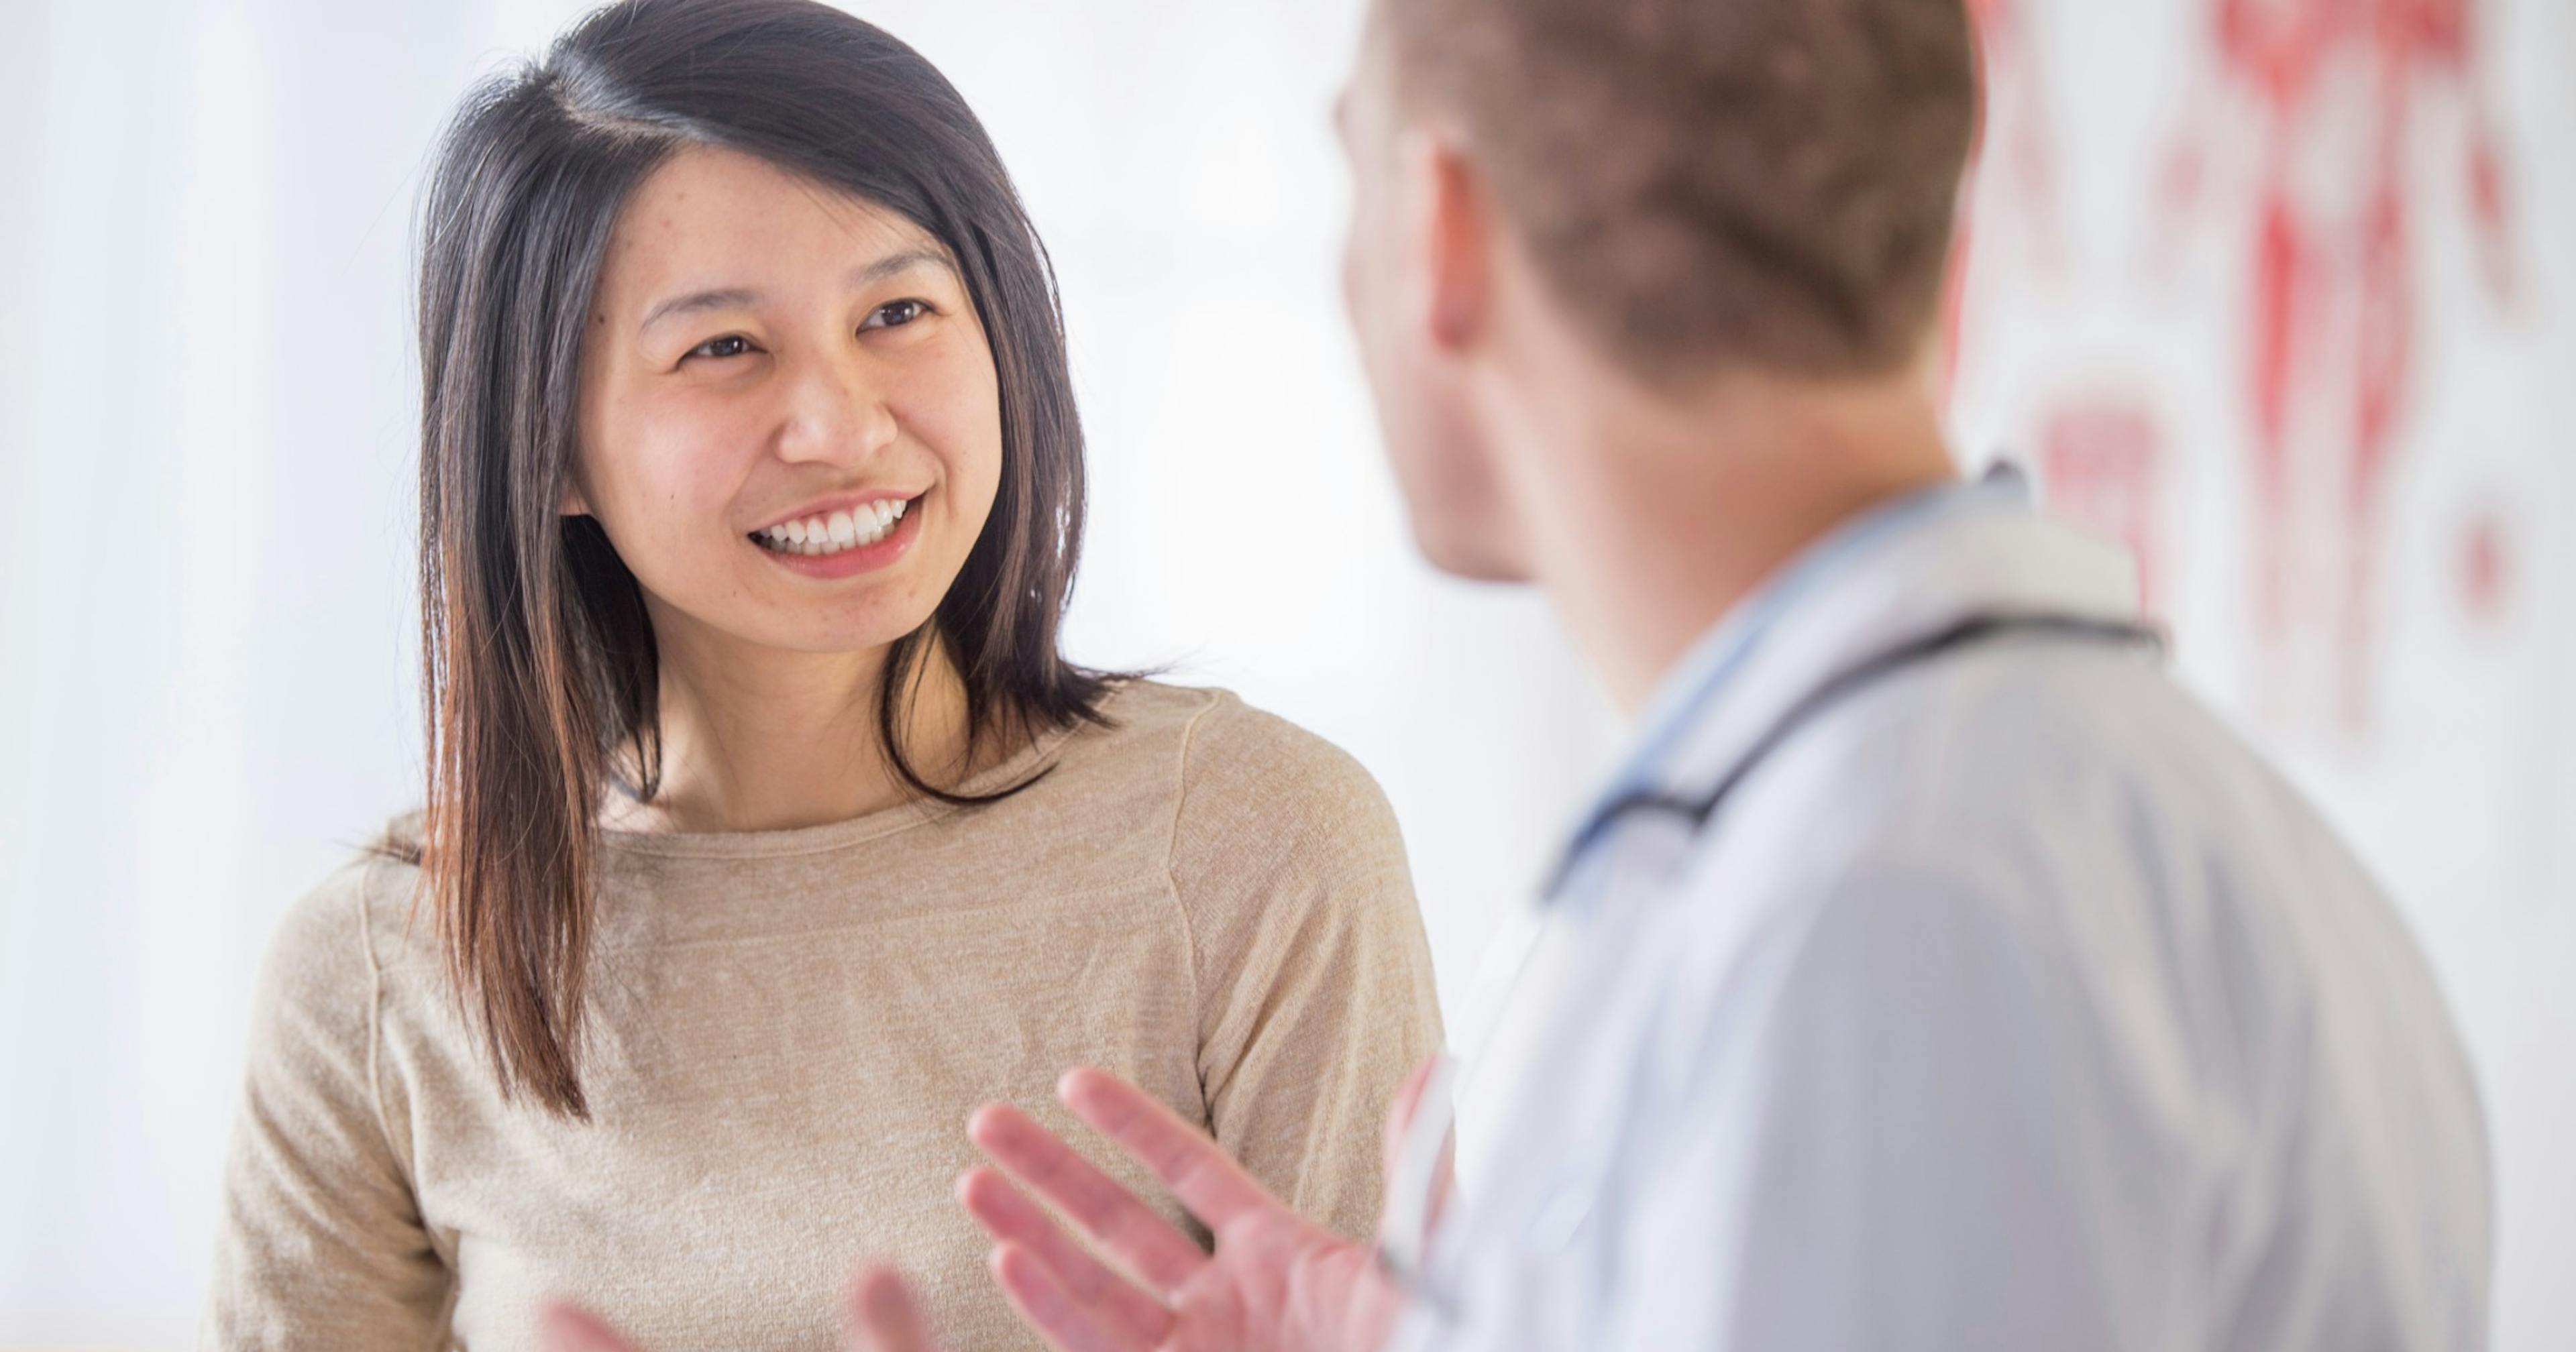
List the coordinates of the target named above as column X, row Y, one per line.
column 1276, row 1283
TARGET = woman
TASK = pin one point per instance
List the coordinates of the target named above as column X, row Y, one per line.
column 766, row 831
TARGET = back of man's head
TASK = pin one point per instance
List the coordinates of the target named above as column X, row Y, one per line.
column 1714, row 183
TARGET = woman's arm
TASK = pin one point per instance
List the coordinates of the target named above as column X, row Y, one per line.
column 1315, row 986
column 321, row 1243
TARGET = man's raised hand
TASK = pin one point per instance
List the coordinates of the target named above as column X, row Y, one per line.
column 1276, row 1283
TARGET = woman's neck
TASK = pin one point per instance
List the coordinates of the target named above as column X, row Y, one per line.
column 769, row 740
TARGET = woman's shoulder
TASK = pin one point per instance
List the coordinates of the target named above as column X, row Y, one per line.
column 1244, row 783
column 1218, row 747
column 335, row 946
column 1281, row 851
column 356, row 919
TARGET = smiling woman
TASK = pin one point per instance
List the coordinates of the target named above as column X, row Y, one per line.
column 766, row 830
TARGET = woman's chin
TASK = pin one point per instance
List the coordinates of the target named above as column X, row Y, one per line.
column 849, row 634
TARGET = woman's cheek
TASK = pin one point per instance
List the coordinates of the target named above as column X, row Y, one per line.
column 960, row 420
column 679, row 490
column 985, row 430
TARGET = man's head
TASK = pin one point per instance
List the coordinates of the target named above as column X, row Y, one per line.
column 1674, row 191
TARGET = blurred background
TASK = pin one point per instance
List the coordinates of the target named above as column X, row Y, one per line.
column 2283, row 293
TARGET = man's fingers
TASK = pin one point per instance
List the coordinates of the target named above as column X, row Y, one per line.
column 883, row 1316
column 1444, row 1181
column 569, row 1328
column 1044, row 1304
column 1012, row 1218
column 1407, row 1106
column 1410, row 1152
column 1196, row 1169
column 1132, row 1232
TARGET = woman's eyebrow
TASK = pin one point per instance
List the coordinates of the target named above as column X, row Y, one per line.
column 893, row 263
column 699, row 302
column 725, row 298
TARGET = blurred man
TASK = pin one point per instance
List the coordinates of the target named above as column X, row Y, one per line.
column 1935, row 974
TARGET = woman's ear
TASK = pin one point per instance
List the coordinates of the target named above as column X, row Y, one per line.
column 574, row 504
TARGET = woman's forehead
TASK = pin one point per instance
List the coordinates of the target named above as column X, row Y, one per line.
column 714, row 217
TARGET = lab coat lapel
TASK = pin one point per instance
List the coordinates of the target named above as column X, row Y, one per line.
column 1998, row 560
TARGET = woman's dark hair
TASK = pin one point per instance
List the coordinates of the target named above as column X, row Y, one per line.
column 540, row 671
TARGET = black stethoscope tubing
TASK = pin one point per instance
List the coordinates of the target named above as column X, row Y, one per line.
column 1975, row 629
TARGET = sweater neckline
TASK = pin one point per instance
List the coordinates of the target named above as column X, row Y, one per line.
column 849, row 831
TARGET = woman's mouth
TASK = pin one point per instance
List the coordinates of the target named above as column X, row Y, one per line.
column 833, row 533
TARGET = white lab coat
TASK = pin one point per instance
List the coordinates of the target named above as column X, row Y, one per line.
column 2013, row 1005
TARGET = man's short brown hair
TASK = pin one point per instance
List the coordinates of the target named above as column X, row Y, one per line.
column 1762, row 183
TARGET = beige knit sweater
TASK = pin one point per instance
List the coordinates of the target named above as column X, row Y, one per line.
column 788, row 1030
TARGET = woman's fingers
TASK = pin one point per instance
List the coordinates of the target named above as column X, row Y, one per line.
column 884, row 1317
column 1013, row 1219
column 1196, row 1169
column 569, row 1328
column 1132, row 1232
column 1045, row 1305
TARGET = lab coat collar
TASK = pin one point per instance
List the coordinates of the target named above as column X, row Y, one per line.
column 1891, row 576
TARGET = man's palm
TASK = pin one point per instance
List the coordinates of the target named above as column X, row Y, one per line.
column 1276, row 1280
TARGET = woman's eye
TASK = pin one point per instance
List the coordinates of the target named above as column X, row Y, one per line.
column 896, row 314
column 731, row 345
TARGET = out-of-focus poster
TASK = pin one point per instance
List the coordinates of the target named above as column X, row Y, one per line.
column 2320, row 194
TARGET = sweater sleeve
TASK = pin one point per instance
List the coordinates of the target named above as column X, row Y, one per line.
column 320, row 1242
column 1315, row 984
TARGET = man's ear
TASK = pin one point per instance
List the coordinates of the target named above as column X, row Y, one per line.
column 1452, row 229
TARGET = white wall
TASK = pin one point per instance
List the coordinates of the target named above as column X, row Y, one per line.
column 206, row 681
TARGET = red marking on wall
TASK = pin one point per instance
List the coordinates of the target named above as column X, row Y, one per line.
column 2101, row 464
column 2332, row 342
column 2485, row 569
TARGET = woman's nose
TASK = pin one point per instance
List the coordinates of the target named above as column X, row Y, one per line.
column 837, row 413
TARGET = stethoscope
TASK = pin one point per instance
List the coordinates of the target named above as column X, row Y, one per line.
column 1404, row 1240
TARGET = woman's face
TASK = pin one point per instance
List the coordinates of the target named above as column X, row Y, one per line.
column 790, row 426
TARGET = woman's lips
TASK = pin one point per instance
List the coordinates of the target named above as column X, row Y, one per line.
column 825, row 532
column 843, row 546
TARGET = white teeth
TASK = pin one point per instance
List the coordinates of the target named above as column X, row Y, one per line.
column 865, row 524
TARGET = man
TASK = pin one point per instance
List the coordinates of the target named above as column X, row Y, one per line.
column 1936, row 975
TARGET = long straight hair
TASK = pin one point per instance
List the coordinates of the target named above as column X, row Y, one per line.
column 540, row 678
